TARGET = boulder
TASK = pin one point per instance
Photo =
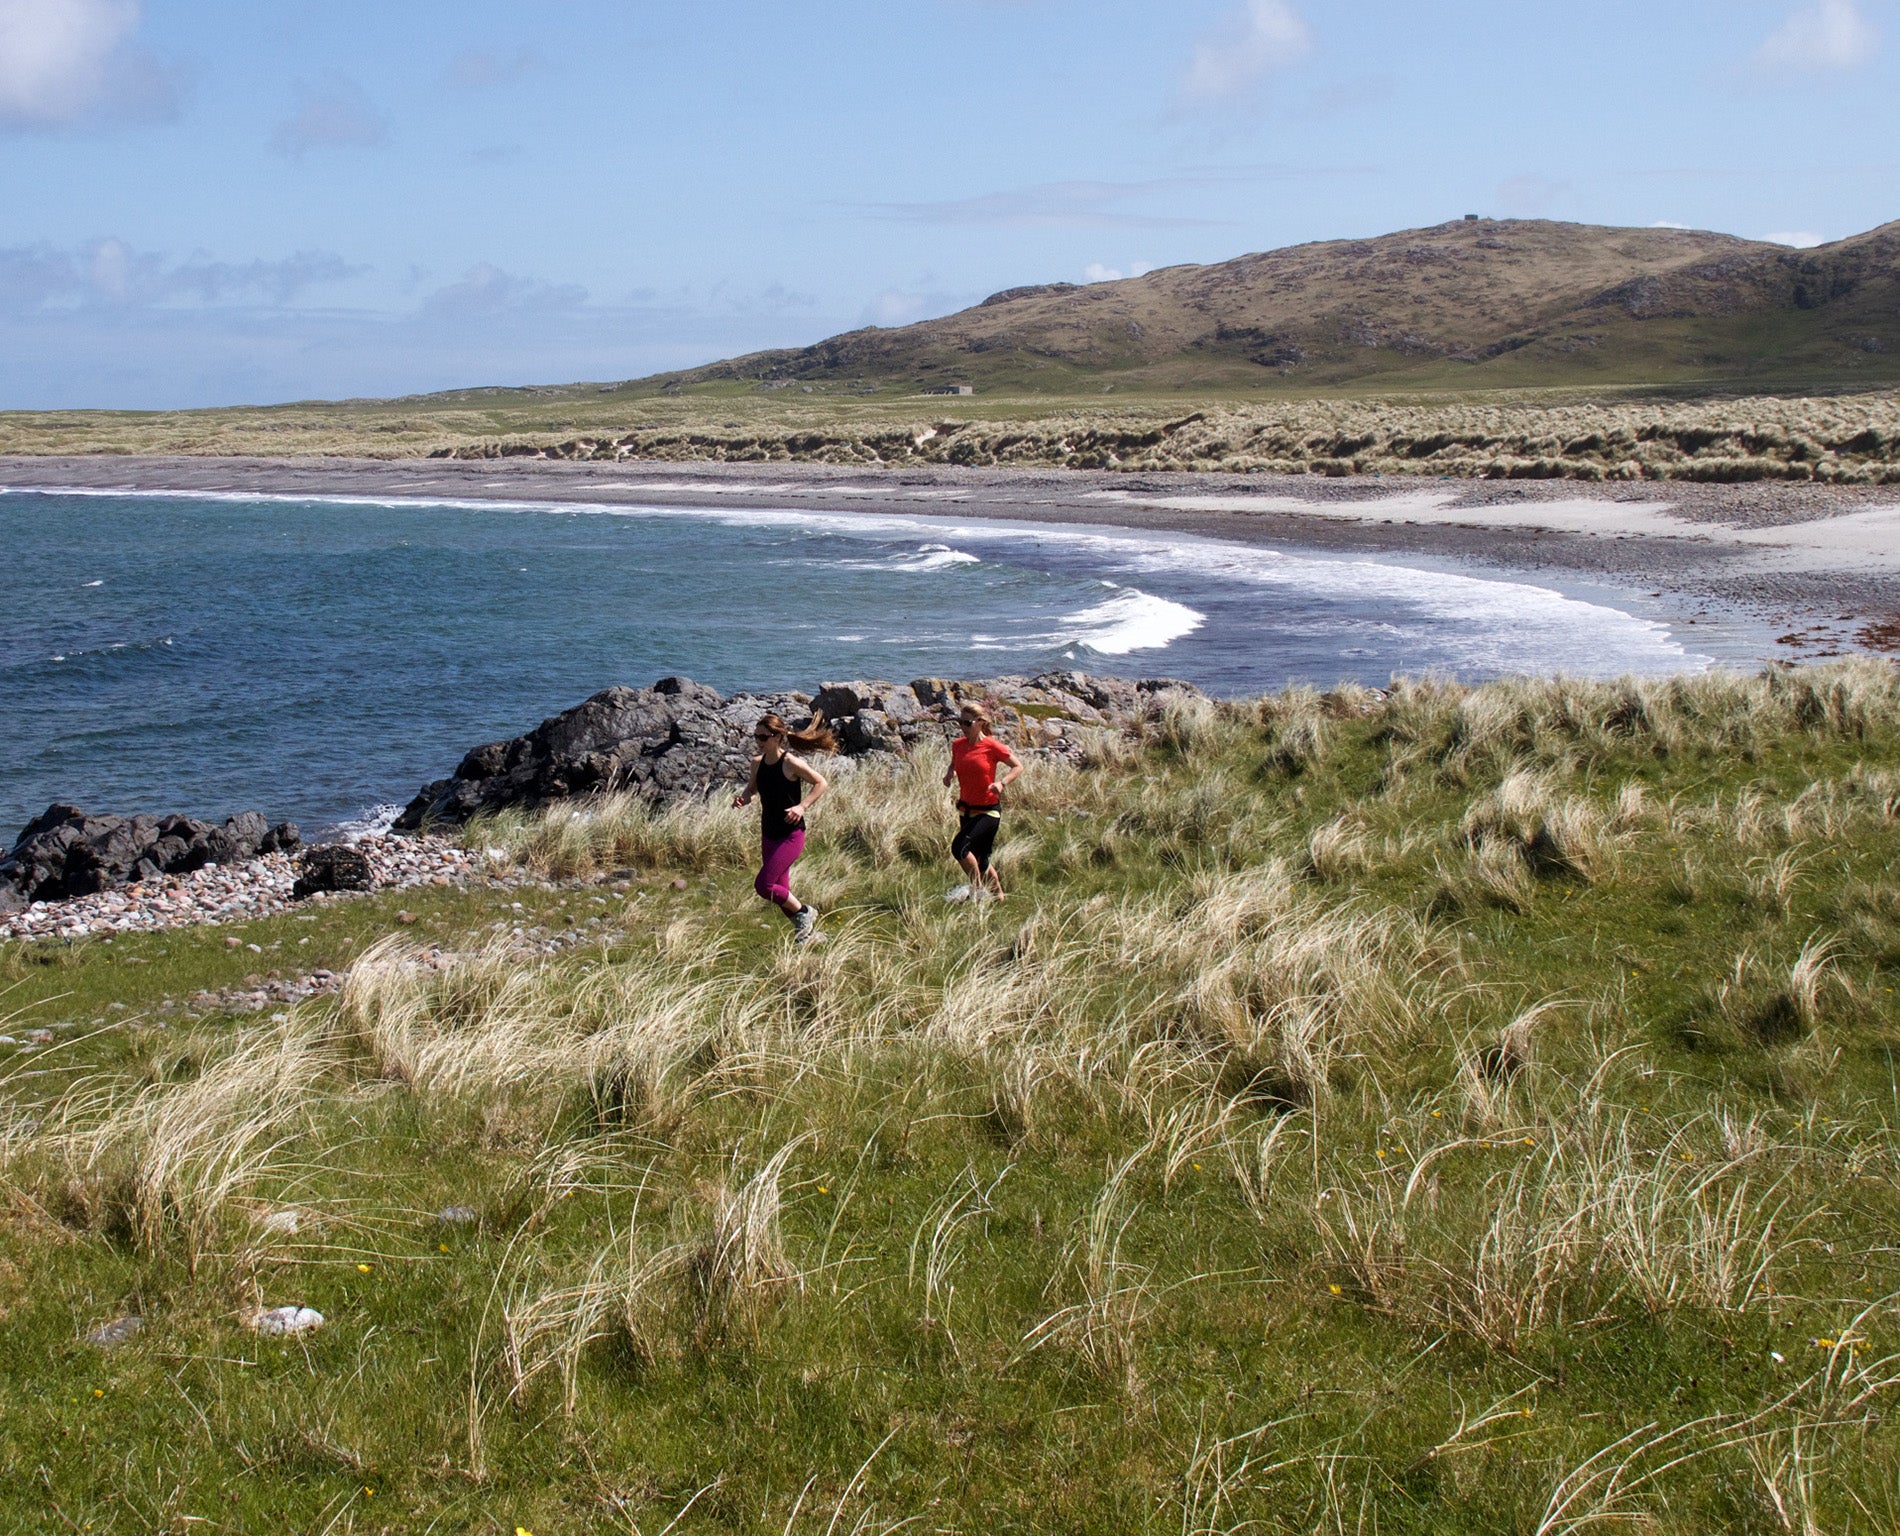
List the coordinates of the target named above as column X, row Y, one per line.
column 64, row 852
column 680, row 738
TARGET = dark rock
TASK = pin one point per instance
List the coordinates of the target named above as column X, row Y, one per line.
column 332, row 867
column 838, row 701
column 680, row 738
column 282, row 838
column 869, row 730
column 63, row 852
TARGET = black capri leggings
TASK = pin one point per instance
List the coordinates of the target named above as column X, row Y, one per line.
column 976, row 833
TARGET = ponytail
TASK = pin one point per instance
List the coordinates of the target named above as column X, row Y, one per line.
column 817, row 736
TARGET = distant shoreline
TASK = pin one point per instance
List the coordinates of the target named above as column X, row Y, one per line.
column 1814, row 568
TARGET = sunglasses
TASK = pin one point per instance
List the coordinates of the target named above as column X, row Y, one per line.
column 765, row 736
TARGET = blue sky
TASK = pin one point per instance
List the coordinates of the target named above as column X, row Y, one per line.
column 217, row 202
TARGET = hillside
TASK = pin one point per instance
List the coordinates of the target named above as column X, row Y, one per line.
column 1480, row 304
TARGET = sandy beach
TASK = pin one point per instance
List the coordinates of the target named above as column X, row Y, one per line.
column 1804, row 570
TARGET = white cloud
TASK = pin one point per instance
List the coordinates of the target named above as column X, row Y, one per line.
column 1096, row 272
column 486, row 290
column 1260, row 37
column 1825, row 35
column 1800, row 239
column 332, row 113
column 59, row 59
column 1670, row 224
column 112, row 274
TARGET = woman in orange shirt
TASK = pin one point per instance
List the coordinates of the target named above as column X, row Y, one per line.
column 975, row 757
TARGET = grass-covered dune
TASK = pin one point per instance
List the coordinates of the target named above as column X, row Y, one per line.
column 1844, row 439
column 1453, row 1110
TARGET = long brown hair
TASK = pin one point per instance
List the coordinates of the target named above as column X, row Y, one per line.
column 816, row 737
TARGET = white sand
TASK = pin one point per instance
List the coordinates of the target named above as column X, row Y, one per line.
column 1849, row 541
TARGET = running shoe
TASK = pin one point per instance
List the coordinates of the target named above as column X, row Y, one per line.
column 805, row 924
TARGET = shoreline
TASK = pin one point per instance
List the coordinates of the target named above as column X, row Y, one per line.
column 1788, row 571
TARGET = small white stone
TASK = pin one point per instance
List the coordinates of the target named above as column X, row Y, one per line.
column 285, row 1320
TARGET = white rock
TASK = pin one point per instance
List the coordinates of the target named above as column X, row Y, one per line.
column 285, row 1320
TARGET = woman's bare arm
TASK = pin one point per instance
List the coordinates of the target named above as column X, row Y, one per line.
column 744, row 797
column 804, row 772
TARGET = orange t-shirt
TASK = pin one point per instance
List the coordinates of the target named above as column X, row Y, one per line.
column 976, row 769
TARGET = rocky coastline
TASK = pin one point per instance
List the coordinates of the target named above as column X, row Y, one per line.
column 680, row 738
column 70, row 875
column 233, row 893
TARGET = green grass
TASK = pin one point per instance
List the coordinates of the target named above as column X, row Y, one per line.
column 1404, row 1114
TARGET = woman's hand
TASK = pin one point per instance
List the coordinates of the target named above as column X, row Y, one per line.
column 741, row 800
column 795, row 815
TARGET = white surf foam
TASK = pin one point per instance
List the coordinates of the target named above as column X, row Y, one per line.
column 1131, row 620
column 373, row 822
column 926, row 557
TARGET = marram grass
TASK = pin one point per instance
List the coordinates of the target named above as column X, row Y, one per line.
column 1835, row 439
column 1451, row 1110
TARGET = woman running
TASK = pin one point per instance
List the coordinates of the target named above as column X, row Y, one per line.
column 975, row 757
column 779, row 780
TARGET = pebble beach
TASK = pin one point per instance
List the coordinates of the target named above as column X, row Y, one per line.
column 233, row 893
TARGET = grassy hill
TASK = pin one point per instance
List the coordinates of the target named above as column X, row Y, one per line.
column 1456, row 1110
column 1486, row 348
column 1483, row 304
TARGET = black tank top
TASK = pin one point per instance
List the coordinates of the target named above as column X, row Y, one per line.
column 777, row 794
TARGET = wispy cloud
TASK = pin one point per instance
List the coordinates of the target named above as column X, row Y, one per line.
column 332, row 113
column 1099, row 272
column 1823, row 37
column 1054, row 205
column 110, row 273
column 488, row 290
column 65, row 60
column 1800, row 239
column 1255, row 41
column 479, row 68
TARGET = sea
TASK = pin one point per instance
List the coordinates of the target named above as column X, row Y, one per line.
column 320, row 659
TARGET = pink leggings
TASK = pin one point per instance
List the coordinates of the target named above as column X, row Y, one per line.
column 777, row 855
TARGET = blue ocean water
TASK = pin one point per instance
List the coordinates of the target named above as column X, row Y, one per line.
column 318, row 658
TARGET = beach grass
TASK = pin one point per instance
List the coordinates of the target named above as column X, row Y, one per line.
column 1448, row 1109
column 1850, row 439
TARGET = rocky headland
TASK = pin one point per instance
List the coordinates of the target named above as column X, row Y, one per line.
column 680, row 738
column 70, row 874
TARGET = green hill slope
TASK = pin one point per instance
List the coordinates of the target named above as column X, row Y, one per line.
column 1477, row 304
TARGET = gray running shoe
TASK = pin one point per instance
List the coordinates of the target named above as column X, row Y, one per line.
column 805, row 924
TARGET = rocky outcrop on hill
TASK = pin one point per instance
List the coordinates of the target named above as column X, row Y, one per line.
column 681, row 738
column 63, row 852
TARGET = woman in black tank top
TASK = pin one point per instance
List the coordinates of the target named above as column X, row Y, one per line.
column 777, row 795
column 778, row 783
